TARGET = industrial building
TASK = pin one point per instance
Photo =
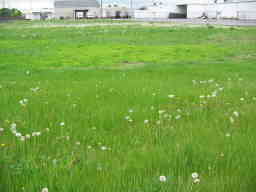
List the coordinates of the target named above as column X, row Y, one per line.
column 217, row 9
column 77, row 9
column 158, row 9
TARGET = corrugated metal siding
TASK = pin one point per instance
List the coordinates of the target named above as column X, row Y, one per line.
column 76, row 3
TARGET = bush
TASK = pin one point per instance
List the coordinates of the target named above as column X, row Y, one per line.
column 5, row 12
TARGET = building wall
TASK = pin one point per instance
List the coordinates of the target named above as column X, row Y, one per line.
column 158, row 12
column 69, row 12
column 112, row 12
column 235, row 10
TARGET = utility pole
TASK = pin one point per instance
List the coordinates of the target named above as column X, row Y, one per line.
column 101, row 9
column 131, row 4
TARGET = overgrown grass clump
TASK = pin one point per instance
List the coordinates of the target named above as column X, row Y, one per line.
column 113, row 108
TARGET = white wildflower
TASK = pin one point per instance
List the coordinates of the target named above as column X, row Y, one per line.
column 195, row 181
column 62, row 124
column 242, row 99
column 194, row 82
column 162, row 179
column 1, row 129
column 27, row 136
column 35, row 89
column 45, row 189
column 130, row 120
column 236, row 113
column 103, row 148
column 231, row 120
column 23, row 102
column 177, row 117
column 171, row 96
column 78, row 143
column 146, row 121
column 13, row 126
column 127, row 117
column 195, row 175
column 18, row 134
column 22, row 138
column 161, row 112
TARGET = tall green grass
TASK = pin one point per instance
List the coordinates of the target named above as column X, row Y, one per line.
column 118, row 107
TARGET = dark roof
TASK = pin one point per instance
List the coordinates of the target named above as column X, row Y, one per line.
column 75, row 3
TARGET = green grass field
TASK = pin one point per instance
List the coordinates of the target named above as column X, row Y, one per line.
column 113, row 108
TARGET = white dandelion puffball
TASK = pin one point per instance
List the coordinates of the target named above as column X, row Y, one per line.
column 62, row 124
column 171, row 96
column 146, row 121
column 162, row 179
column 13, row 126
column 195, row 175
column 45, row 189
column 103, row 148
column 27, row 136
column 22, row 138
column 195, row 181
column 231, row 120
column 18, row 134
column 236, row 113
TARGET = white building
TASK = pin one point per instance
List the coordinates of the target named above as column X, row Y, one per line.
column 116, row 10
column 160, row 10
column 218, row 9
column 223, row 9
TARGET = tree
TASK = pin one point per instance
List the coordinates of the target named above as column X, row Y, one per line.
column 5, row 12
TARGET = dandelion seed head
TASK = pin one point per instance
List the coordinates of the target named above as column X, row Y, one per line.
column 45, row 189
column 195, row 175
column 162, row 178
column 27, row 136
column 171, row 96
column 103, row 148
column 196, row 181
column 22, row 138
column 231, row 120
column 62, row 124
column 236, row 113
column 18, row 134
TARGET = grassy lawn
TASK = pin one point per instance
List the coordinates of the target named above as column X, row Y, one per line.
column 113, row 108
